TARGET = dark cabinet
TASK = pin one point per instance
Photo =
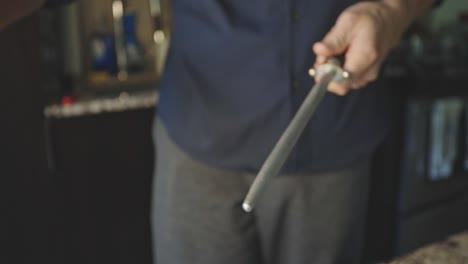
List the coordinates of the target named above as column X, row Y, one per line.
column 72, row 190
column 26, row 193
column 103, row 168
column 414, row 199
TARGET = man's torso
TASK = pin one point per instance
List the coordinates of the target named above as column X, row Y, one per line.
column 237, row 73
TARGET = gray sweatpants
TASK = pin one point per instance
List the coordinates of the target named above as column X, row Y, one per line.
column 301, row 219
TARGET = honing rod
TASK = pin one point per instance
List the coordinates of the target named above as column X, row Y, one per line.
column 330, row 71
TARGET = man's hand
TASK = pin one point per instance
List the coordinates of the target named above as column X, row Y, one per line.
column 365, row 33
column 11, row 10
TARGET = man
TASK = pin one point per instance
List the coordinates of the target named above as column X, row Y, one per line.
column 235, row 75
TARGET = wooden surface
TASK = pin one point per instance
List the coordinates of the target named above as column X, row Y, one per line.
column 454, row 250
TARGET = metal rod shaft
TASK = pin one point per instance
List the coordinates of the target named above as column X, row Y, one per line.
column 288, row 139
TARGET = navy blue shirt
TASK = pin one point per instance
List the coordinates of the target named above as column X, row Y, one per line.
column 237, row 72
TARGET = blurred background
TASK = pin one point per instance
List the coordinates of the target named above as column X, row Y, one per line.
column 79, row 89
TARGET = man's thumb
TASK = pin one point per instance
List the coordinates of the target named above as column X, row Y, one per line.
column 334, row 43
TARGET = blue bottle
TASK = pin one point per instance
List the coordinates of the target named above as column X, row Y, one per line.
column 102, row 50
column 134, row 51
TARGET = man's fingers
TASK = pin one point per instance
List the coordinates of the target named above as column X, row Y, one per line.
column 373, row 73
column 360, row 58
column 354, row 84
column 334, row 43
column 321, row 50
column 320, row 60
column 338, row 88
column 358, row 85
column 370, row 75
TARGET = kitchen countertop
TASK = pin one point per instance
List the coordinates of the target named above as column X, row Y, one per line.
column 97, row 105
column 453, row 250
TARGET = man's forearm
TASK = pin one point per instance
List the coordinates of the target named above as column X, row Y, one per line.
column 11, row 10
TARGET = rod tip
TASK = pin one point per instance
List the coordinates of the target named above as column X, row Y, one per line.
column 247, row 207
